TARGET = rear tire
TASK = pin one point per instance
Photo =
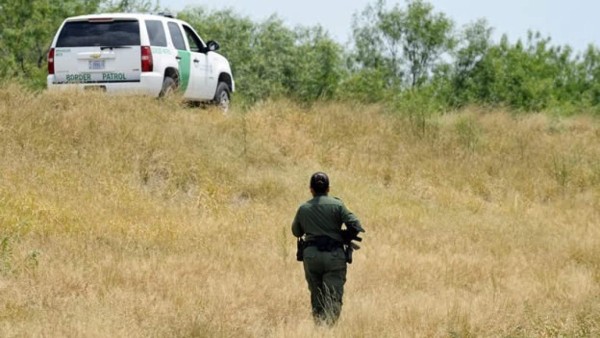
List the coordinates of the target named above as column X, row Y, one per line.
column 223, row 96
column 168, row 87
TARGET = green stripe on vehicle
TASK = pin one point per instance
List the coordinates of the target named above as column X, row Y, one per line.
column 184, row 69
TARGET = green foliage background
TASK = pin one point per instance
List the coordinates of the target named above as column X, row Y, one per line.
column 409, row 57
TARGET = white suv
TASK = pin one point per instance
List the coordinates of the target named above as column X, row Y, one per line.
column 143, row 53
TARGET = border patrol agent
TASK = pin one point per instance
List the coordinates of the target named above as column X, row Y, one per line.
column 320, row 221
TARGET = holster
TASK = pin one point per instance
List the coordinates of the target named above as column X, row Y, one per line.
column 300, row 249
column 348, row 250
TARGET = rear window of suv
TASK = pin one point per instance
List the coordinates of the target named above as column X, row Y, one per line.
column 99, row 33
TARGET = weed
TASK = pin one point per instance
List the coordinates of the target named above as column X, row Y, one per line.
column 468, row 133
column 6, row 256
column 561, row 170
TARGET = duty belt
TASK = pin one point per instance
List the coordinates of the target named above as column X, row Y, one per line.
column 324, row 243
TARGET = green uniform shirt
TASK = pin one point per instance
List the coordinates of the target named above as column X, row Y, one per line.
column 322, row 216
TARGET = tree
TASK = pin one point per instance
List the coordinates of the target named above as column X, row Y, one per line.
column 378, row 37
column 318, row 61
column 427, row 37
column 476, row 42
column 590, row 75
column 406, row 43
column 26, row 31
column 526, row 76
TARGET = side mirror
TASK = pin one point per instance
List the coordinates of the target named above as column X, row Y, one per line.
column 213, row 46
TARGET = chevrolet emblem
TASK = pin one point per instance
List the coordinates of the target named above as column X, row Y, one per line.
column 95, row 55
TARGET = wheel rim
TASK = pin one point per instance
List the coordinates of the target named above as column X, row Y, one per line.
column 224, row 101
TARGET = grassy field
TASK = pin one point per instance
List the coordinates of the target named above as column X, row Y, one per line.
column 131, row 217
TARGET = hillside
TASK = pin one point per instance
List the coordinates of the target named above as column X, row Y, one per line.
column 132, row 217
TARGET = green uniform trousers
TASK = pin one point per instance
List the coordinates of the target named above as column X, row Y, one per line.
column 325, row 272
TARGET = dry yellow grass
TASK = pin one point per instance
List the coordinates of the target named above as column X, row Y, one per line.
column 133, row 217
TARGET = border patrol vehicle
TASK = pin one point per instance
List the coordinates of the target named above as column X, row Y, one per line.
column 141, row 53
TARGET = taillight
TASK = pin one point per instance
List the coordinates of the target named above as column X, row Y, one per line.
column 51, row 61
column 147, row 63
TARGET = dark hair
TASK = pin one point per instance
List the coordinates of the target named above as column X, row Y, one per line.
column 319, row 182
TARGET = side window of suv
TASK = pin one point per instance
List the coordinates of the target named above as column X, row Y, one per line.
column 176, row 36
column 156, row 32
column 196, row 44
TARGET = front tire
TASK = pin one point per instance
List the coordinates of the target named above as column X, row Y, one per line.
column 223, row 96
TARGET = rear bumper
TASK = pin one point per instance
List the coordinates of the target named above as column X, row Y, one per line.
column 149, row 84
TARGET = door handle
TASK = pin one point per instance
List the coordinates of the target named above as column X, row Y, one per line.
column 178, row 58
column 196, row 60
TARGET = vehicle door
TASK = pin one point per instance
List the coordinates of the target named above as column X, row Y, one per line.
column 203, row 79
column 184, row 59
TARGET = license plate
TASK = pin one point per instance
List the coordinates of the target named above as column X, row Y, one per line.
column 96, row 64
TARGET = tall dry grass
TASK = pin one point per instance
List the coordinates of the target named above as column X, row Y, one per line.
column 131, row 217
